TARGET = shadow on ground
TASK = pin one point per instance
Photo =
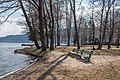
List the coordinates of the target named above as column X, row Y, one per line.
column 52, row 66
column 82, row 60
column 107, row 52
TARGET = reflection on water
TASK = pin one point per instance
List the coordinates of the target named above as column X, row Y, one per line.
column 10, row 61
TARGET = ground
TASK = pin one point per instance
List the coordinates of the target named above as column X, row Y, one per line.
column 57, row 65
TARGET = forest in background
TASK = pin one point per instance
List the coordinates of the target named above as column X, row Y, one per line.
column 48, row 22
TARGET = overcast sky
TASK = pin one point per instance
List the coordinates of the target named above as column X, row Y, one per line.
column 10, row 27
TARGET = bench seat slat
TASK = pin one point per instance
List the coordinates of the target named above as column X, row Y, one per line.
column 84, row 51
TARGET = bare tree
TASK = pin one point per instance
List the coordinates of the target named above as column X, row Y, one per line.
column 41, row 27
column 52, row 27
column 75, row 23
column 111, row 28
column 29, row 24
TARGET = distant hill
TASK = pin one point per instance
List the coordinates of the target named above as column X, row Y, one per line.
column 15, row 39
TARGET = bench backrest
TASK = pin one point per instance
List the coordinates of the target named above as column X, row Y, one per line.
column 86, row 52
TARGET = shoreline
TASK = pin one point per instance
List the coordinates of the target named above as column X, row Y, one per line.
column 29, row 64
column 20, row 51
column 17, row 70
column 57, row 65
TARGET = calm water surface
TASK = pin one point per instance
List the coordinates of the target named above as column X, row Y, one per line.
column 10, row 61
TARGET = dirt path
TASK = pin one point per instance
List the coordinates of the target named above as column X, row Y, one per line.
column 59, row 66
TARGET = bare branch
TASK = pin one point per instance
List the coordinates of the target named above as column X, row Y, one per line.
column 33, row 3
column 11, row 14
column 9, row 7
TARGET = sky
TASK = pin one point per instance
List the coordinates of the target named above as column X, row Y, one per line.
column 10, row 27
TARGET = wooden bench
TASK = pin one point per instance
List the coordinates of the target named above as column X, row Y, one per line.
column 84, row 54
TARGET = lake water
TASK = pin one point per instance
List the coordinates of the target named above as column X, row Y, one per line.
column 10, row 61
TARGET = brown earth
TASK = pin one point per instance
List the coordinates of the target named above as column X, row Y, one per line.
column 57, row 65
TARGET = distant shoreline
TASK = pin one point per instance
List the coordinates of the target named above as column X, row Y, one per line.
column 16, row 39
column 16, row 42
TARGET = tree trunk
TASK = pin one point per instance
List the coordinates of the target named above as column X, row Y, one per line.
column 75, row 24
column 58, row 27
column 67, row 27
column 111, row 30
column 68, row 24
column 101, row 24
column 93, row 26
column 46, row 29
column 58, row 35
column 52, row 28
column 41, row 28
column 118, row 39
column 106, row 19
column 93, row 35
column 29, row 25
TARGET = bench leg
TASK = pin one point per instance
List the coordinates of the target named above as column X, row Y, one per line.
column 87, row 59
column 74, row 56
column 69, row 54
column 78, row 57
